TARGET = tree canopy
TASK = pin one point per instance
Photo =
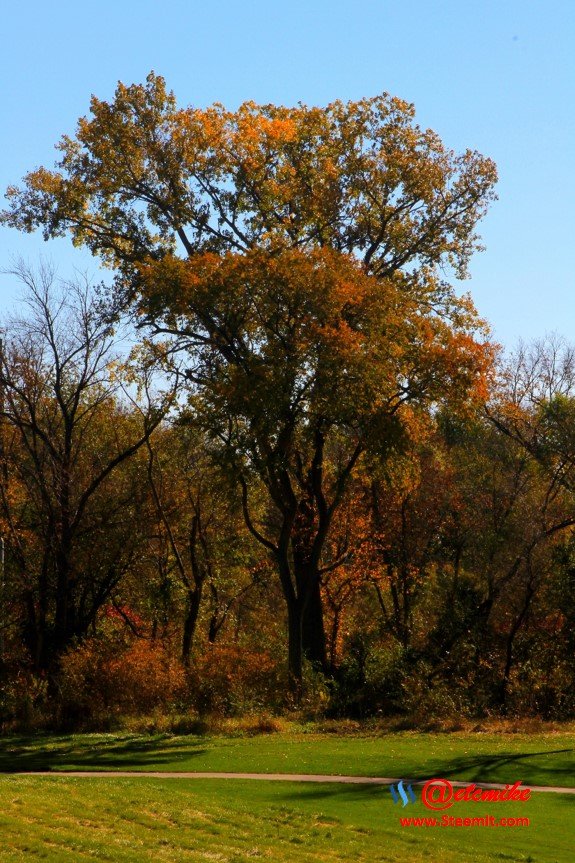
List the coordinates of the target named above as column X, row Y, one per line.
column 298, row 257
column 142, row 177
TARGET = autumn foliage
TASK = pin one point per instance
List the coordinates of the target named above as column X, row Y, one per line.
column 315, row 482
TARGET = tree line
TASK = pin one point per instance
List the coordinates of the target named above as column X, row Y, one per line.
column 314, row 466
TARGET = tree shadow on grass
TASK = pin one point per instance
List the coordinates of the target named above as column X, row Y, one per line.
column 158, row 752
column 19, row 754
column 344, row 792
column 357, row 793
column 537, row 768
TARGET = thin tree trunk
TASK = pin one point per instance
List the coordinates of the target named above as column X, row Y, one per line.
column 295, row 651
column 194, row 601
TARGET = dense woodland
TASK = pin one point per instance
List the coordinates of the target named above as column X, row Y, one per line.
column 278, row 462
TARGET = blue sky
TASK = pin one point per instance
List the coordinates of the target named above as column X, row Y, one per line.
column 491, row 75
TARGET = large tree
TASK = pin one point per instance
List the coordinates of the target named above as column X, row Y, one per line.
column 299, row 256
column 143, row 178
column 297, row 365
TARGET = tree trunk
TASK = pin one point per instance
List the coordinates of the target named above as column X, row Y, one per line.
column 313, row 630
column 295, row 651
column 194, row 599
column 510, row 641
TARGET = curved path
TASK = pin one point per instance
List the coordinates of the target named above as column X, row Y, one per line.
column 270, row 777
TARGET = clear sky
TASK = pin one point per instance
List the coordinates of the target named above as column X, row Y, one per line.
column 492, row 75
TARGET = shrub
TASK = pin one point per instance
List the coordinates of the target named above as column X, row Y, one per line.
column 100, row 680
column 229, row 680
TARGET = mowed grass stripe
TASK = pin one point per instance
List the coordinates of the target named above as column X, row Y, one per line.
column 64, row 820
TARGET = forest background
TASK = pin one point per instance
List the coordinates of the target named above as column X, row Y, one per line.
column 318, row 481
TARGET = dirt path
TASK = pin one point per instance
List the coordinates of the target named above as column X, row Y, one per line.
column 270, row 777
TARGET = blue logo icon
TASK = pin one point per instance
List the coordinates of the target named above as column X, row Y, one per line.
column 399, row 791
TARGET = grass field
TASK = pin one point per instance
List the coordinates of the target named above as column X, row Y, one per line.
column 70, row 819
column 543, row 759
column 113, row 819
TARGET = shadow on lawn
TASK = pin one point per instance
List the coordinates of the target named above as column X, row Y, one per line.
column 509, row 767
column 546, row 767
column 505, row 767
column 350, row 795
column 60, row 753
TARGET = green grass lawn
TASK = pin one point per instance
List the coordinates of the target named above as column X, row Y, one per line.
column 134, row 820
column 543, row 759
column 113, row 819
